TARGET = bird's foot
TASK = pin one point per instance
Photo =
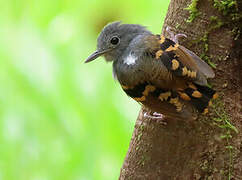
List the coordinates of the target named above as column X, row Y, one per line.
column 155, row 115
column 174, row 37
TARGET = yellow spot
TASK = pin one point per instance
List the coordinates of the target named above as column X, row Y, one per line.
column 162, row 39
column 205, row 111
column 126, row 87
column 184, row 96
column 184, row 71
column 196, row 94
column 139, row 98
column 215, row 96
column 164, row 96
column 172, row 48
column 175, row 64
column 210, row 103
column 179, row 107
column 158, row 54
column 188, row 73
column 148, row 88
column 192, row 86
column 176, row 102
column 193, row 74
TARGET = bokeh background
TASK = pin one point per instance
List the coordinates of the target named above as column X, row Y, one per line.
column 61, row 118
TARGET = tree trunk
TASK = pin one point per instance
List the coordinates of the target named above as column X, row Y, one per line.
column 209, row 147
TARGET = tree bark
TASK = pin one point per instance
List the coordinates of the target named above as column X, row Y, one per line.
column 209, row 147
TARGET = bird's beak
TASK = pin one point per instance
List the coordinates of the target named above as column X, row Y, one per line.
column 95, row 55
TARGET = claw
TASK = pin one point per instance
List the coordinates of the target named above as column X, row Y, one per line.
column 174, row 37
column 157, row 116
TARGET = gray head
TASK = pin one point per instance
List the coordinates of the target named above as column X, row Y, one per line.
column 114, row 39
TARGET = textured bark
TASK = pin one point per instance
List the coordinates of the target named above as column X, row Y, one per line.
column 181, row 149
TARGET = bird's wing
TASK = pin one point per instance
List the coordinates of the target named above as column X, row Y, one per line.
column 203, row 66
column 178, row 77
column 181, row 62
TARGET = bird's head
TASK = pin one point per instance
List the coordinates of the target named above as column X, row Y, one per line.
column 114, row 39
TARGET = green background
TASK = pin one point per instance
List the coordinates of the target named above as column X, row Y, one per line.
column 61, row 118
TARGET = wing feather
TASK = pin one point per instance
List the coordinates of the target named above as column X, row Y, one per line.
column 183, row 62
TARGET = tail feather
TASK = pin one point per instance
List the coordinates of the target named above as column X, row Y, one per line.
column 199, row 96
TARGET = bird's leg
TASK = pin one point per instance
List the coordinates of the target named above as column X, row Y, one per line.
column 154, row 115
column 174, row 37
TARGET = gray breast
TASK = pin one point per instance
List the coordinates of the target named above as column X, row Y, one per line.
column 128, row 69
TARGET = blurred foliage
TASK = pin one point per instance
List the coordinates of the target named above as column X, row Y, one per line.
column 61, row 119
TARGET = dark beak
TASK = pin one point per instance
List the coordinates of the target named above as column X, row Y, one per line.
column 95, row 55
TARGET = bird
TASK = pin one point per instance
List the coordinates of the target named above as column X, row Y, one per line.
column 156, row 71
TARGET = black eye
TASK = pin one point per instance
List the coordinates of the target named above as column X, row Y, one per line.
column 114, row 40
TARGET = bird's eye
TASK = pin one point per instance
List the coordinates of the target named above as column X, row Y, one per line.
column 114, row 40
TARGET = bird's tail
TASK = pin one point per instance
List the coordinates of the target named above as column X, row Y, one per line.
column 199, row 96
